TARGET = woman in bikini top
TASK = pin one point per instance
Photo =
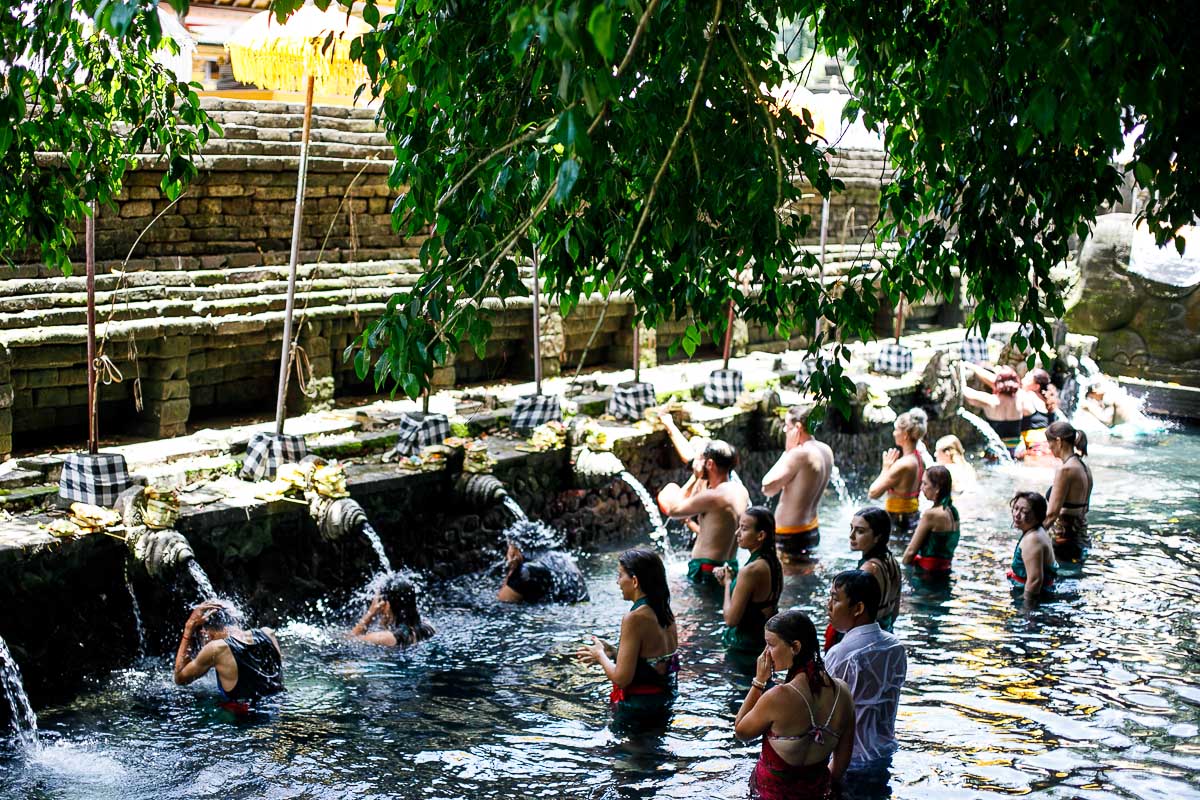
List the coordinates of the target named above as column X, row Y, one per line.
column 807, row 743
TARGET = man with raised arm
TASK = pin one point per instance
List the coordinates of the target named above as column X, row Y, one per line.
column 801, row 475
column 719, row 505
column 247, row 663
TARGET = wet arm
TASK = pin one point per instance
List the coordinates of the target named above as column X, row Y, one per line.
column 1034, row 573
column 781, row 474
column 1058, row 494
column 756, row 715
column 621, row 671
column 736, row 598
column 986, row 375
column 187, row 670
column 677, row 506
column 888, row 478
column 845, row 745
column 682, row 446
column 977, row 398
column 924, row 528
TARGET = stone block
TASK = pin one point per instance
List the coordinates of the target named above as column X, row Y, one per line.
column 6, row 423
column 51, row 397
column 41, row 378
column 178, row 389
column 137, row 208
column 6, row 398
column 165, row 369
column 45, row 356
column 77, row 396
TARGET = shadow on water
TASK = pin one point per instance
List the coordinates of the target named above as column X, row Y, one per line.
column 1090, row 696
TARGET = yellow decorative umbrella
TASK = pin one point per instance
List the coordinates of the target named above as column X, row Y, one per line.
column 309, row 52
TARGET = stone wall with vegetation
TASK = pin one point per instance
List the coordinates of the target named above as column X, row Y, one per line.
column 191, row 294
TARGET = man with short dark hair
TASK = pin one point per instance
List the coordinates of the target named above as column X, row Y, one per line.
column 247, row 663
column 872, row 663
column 720, row 506
column 799, row 478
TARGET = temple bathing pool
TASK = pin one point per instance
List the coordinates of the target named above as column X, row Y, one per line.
column 1094, row 695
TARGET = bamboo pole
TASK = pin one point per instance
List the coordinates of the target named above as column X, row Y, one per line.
column 89, row 235
column 728, row 346
column 537, row 322
column 637, row 353
column 285, row 357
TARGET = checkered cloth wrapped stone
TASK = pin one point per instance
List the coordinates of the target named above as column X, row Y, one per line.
column 894, row 359
column 267, row 451
column 96, row 479
column 629, row 400
column 533, row 410
column 974, row 349
column 724, row 387
column 417, row 431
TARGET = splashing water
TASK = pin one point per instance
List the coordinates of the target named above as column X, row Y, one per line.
column 24, row 721
column 839, row 485
column 514, row 508
column 201, row 578
column 137, row 616
column 1087, row 369
column 994, row 444
column 658, row 531
column 373, row 537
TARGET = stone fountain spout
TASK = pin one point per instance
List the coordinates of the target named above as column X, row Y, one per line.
column 480, row 490
column 593, row 469
column 162, row 551
column 338, row 517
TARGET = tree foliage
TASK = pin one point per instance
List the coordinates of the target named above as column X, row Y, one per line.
column 80, row 97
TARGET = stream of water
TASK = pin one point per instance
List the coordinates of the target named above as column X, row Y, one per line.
column 658, row 531
column 24, row 721
column 514, row 508
column 1092, row 695
column 201, row 578
column 377, row 544
column 139, row 628
column 995, row 445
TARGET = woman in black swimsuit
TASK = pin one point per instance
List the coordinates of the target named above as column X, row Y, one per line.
column 394, row 614
column 644, row 665
column 1071, row 494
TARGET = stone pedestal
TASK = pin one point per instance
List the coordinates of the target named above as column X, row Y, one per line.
column 166, row 392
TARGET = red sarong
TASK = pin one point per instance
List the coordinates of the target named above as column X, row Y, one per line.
column 775, row 779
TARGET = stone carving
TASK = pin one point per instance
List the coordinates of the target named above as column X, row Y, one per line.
column 1146, row 326
column 941, row 384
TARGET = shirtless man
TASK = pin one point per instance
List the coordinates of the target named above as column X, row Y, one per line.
column 720, row 505
column 801, row 474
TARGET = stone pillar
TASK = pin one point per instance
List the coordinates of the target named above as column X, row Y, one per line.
column 166, row 391
column 6, row 402
column 554, row 342
column 648, row 341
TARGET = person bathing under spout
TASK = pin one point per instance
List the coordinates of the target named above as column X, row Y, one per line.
column 799, row 477
column 247, row 663
column 720, row 507
column 395, row 616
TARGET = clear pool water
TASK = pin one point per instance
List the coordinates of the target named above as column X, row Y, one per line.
column 1094, row 695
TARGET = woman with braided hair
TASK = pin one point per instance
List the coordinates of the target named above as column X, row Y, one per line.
column 807, row 722
column 932, row 546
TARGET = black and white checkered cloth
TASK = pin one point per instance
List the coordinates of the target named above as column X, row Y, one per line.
column 95, row 479
column 724, row 386
column 419, row 430
column 629, row 400
column 894, row 359
column 267, row 451
column 974, row 349
column 533, row 410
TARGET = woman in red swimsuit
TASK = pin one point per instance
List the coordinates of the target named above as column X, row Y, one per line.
column 807, row 722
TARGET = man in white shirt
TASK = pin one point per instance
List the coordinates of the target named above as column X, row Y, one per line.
column 872, row 663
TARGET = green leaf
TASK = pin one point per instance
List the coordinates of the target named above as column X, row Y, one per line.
column 568, row 173
column 600, row 26
column 1144, row 174
column 1042, row 109
column 370, row 14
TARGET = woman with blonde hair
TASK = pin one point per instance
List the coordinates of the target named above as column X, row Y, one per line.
column 900, row 476
column 949, row 453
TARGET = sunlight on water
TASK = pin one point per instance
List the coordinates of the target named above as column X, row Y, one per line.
column 1090, row 696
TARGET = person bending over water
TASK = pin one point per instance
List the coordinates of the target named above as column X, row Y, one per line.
column 535, row 571
column 870, row 531
column 932, row 546
column 901, row 474
column 720, row 506
column 247, row 663
column 751, row 593
column 1033, row 568
column 394, row 616
column 644, row 665
column 799, row 477
column 1002, row 408
column 950, row 454
column 807, row 722
column 1071, row 494
column 873, row 664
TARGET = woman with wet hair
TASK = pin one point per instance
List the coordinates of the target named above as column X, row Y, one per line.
column 807, row 722
column 644, row 664
column 933, row 545
column 1071, row 495
column 870, row 531
column 1033, row 568
column 1001, row 408
column 536, row 571
column 393, row 613
column 1035, row 413
column 751, row 594
column 900, row 476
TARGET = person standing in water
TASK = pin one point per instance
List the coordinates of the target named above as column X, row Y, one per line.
column 932, row 546
column 807, row 722
column 900, row 477
column 720, row 506
column 247, row 663
column 1033, row 569
column 644, row 664
column 799, row 477
column 1002, row 407
column 535, row 568
column 950, row 454
column 394, row 616
column 752, row 593
column 1071, row 494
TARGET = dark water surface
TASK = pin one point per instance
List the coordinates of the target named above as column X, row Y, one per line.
column 1094, row 695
